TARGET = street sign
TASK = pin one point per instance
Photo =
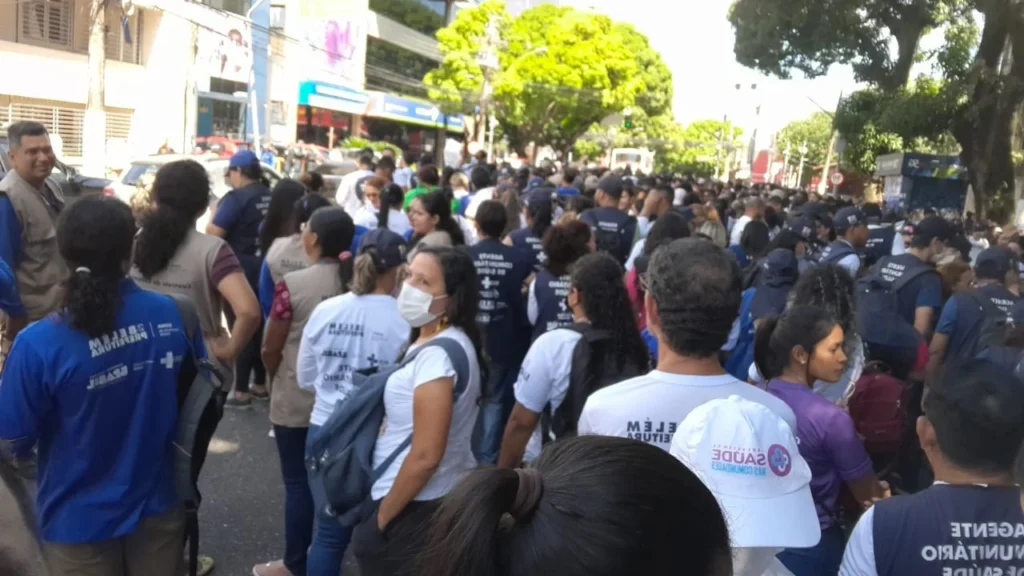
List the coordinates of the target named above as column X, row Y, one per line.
column 836, row 178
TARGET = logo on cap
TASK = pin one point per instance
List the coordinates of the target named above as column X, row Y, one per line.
column 401, row 250
column 779, row 460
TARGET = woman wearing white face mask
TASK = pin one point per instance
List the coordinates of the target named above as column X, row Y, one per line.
column 439, row 300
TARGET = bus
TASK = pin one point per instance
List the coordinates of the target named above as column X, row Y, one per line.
column 636, row 158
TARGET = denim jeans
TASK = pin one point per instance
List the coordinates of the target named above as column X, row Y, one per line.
column 330, row 539
column 298, row 502
column 821, row 560
column 498, row 402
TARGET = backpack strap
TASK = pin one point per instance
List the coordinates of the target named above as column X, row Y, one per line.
column 460, row 361
column 902, row 281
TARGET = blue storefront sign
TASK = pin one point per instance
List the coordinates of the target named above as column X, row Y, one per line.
column 413, row 111
column 331, row 97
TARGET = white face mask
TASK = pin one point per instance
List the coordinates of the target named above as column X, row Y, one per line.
column 414, row 306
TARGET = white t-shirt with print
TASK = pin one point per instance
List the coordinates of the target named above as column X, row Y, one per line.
column 544, row 377
column 648, row 408
column 458, row 460
column 347, row 333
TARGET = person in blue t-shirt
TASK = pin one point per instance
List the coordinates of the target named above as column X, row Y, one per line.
column 501, row 271
column 95, row 386
column 958, row 333
column 920, row 298
column 539, row 212
column 614, row 230
column 10, row 302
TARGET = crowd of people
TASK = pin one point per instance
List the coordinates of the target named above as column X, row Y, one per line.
column 516, row 372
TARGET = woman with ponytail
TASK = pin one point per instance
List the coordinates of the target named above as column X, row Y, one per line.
column 172, row 257
column 793, row 351
column 326, row 239
column 440, row 301
column 598, row 302
column 539, row 213
column 590, row 506
column 95, row 386
column 328, row 356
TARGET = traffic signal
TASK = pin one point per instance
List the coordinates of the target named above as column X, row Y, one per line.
column 627, row 121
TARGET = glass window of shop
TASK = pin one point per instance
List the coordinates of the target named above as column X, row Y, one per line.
column 322, row 127
column 426, row 16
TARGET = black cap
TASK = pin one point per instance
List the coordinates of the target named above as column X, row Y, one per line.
column 611, row 185
column 849, row 217
column 933, row 227
column 995, row 263
column 779, row 273
column 389, row 248
column 802, row 227
column 537, row 197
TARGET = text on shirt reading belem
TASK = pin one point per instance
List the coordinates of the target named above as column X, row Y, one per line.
column 117, row 339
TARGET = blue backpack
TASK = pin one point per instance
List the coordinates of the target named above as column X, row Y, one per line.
column 341, row 456
column 742, row 355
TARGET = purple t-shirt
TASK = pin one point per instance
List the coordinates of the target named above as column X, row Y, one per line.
column 828, row 442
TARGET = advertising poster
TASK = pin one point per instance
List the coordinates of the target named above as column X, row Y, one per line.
column 335, row 31
column 225, row 46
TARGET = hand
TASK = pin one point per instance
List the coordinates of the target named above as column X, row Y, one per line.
column 222, row 350
column 886, row 493
column 382, row 524
column 650, row 205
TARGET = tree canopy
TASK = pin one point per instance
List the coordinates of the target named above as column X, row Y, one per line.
column 815, row 132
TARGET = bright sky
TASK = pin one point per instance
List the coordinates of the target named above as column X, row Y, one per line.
column 696, row 42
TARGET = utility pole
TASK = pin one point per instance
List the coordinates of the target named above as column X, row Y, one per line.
column 800, row 173
column 94, row 128
column 442, row 133
column 823, row 183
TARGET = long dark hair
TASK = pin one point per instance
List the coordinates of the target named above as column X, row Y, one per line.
column 435, row 204
column 564, row 244
column 334, row 231
column 278, row 222
column 542, row 214
column 94, row 236
column 391, row 198
column 632, row 507
column 304, row 209
column 181, row 192
column 462, row 289
column 776, row 337
column 598, row 279
column 829, row 286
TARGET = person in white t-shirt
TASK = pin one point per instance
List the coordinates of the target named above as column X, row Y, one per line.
column 348, row 192
column 368, row 215
column 355, row 331
column 439, row 300
column 597, row 297
column 753, row 210
column 692, row 298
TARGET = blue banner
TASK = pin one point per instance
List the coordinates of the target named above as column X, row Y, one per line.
column 414, row 111
column 331, row 97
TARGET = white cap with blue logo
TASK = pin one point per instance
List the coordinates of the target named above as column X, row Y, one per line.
column 748, row 457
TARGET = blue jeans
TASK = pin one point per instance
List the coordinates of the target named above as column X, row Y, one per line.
column 490, row 425
column 330, row 538
column 298, row 502
column 821, row 560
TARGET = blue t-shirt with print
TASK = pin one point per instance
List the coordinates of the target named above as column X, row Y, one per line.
column 103, row 412
column 962, row 318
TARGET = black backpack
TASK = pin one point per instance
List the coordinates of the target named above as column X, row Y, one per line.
column 611, row 241
column 994, row 324
column 593, row 367
column 878, row 310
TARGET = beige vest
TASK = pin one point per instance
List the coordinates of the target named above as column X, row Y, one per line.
column 188, row 274
column 41, row 272
column 290, row 405
column 286, row 255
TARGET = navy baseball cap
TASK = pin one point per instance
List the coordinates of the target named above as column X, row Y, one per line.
column 995, row 263
column 849, row 217
column 389, row 248
column 779, row 273
column 537, row 197
column 243, row 158
column 802, row 227
column 611, row 185
column 933, row 227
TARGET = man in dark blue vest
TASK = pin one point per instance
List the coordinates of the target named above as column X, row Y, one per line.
column 913, row 277
column 969, row 522
column 500, row 271
column 851, row 235
column 882, row 237
column 978, row 319
column 614, row 230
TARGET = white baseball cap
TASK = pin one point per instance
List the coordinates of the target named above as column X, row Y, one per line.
column 748, row 457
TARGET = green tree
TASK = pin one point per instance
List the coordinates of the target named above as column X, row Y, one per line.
column 815, row 132
column 699, row 148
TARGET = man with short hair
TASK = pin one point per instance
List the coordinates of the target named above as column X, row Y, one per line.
column 920, row 297
column 613, row 229
column 753, row 210
column 568, row 184
column 403, row 176
column 386, row 167
column 882, row 237
column 658, row 202
column 969, row 521
column 29, row 206
column 483, row 190
column 428, row 180
column 692, row 299
column 851, row 235
column 348, row 196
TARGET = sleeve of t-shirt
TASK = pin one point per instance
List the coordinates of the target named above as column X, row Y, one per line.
column 281, row 309
column 532, row 308
column 266, row 289
column 10, row 301
column 643, row 225
column 24, row 400
column 431, row 364
column 305, row 365
column 638, row 249
column 859, row 558
column 536, row 377
column 228, row 210
column 947, row 320
column 10, row 233
column 929, row 294
column 846, row 449
column 224, row 265
column 898, row 247
column 851, row 264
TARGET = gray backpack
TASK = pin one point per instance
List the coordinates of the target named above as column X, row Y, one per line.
column 341, row 456
column 195, row 397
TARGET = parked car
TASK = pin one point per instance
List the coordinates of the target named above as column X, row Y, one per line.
column 140, row 171
column 71, row 183
column 333, row 171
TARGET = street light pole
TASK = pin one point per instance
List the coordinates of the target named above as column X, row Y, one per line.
column 800, row 173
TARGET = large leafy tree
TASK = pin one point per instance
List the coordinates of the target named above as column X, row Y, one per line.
column 814, row 132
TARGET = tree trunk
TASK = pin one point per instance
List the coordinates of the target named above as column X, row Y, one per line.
column 95, row 125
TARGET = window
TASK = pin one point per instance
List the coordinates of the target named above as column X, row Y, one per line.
column 239, row 7
column 277, row 13
column 390, row 68
column 123, row 33
column 46, row 22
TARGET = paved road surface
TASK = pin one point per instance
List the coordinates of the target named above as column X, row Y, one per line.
column 242, row 517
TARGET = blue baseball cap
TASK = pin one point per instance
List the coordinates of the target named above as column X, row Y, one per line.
column 389, row 248
column 849, row 217
column 537, row 197
column 779, row 273
column 802, row 227
column 243, row 158
column 994, row 263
